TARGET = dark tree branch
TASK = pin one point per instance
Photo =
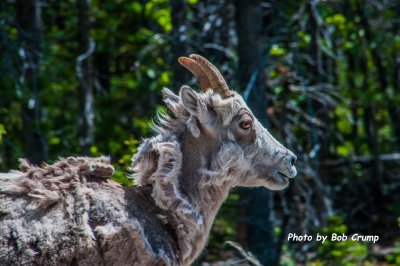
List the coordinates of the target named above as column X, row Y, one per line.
column 85, row 73
column 29, row 25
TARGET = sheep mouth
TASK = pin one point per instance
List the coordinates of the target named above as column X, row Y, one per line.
column 283, row 176
column 281, row 180
column 277, row 181
column 273, row 179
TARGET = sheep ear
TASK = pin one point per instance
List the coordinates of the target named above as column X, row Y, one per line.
column 197, row 108
column 189, row 100
column 168, row 95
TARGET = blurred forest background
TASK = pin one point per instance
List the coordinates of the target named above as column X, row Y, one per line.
column 84, row 77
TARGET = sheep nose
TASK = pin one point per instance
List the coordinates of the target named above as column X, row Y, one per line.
column 289, row 162
column 292, row 160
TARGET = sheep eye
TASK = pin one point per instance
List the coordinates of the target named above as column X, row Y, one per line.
column 245, row 125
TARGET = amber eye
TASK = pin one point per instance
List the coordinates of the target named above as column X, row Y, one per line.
column 245, row 124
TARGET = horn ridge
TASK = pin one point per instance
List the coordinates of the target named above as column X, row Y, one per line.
column 206, row 73
column 217, row 81
column 197, row 71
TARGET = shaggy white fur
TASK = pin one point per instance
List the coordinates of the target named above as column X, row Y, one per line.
column 70, row 213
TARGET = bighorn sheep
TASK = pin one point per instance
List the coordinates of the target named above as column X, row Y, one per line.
column 71, row 213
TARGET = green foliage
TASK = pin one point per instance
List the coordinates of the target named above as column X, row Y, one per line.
column 305, row 38
column 133, row 57
column 276, row 50
column 338, row 20
column 224, row 228
column 158, row 10
column 348, row 253
column 3, row 132
column 286, row 257
column 394, row 257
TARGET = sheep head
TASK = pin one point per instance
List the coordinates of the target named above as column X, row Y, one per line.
column 248, row 152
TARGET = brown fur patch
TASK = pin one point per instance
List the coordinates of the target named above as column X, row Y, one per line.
column 46, row 184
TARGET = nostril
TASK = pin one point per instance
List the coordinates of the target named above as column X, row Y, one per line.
column 293, row 161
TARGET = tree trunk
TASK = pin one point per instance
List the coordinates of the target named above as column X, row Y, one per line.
column 354, row 101
column 382, row 71
column 396, row 80
column 257, row 229
column 318, row 72
column 29, row 23
column 84, row 69
column 371, row 127
column 373, row 138
column 178, row 42
column 396, row 86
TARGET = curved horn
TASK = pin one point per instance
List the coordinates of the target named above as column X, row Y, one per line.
column 196, row 70
column 203, row 69
column 217, row 81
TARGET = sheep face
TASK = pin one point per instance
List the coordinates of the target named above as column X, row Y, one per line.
column 246, row 150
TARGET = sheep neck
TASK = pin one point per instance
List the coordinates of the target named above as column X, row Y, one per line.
column 199, row 153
